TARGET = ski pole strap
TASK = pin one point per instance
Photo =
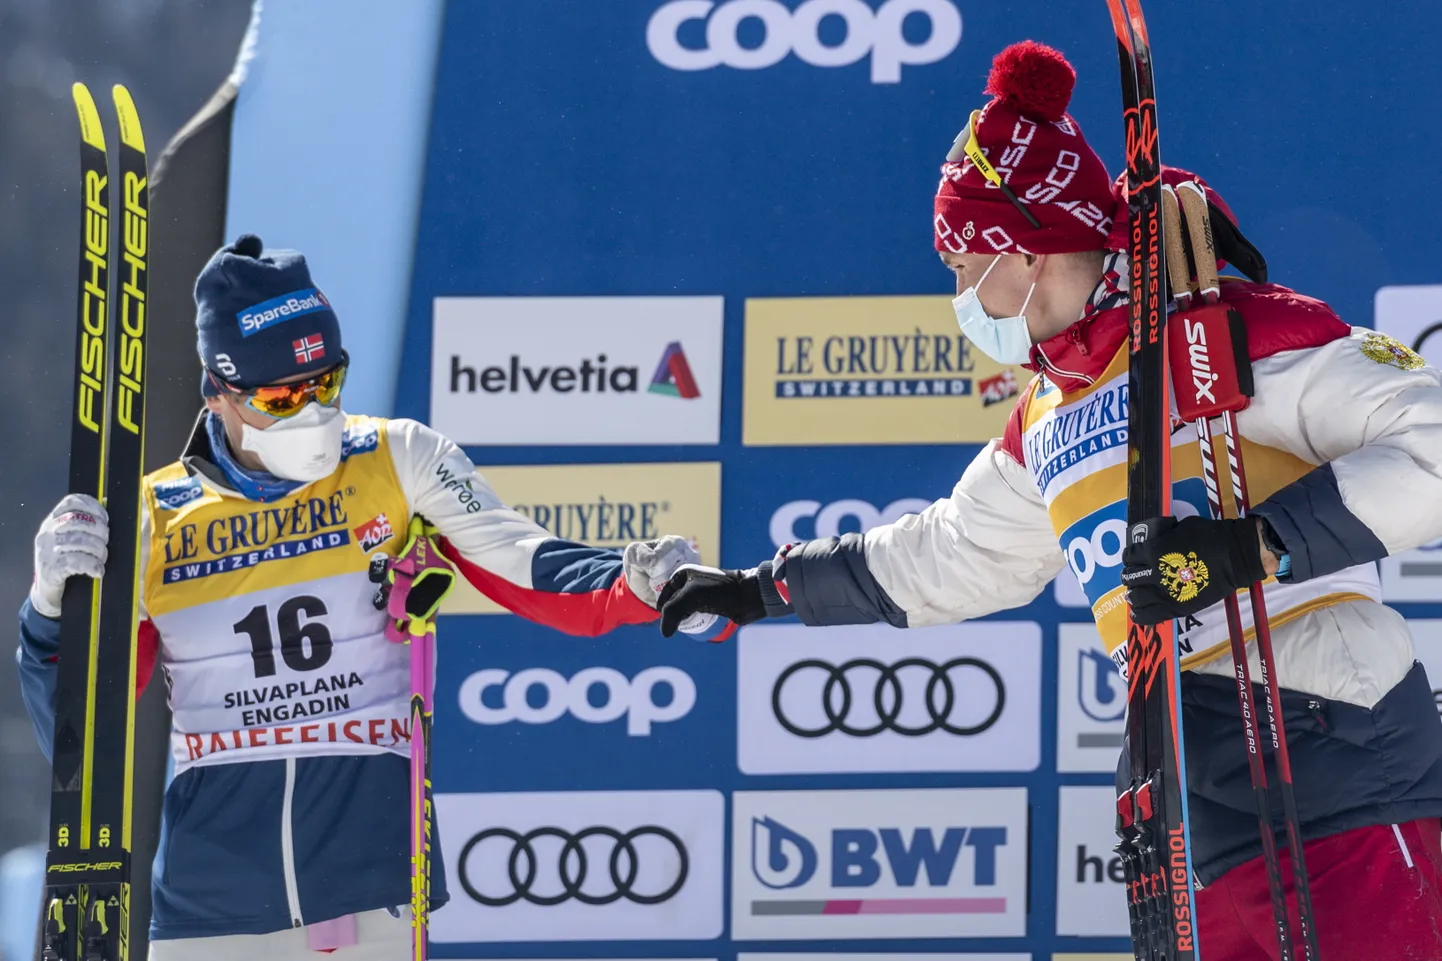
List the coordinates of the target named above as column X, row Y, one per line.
column 412, row 584
column 1211, row 366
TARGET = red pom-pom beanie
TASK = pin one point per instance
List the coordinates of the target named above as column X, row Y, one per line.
column 1040, row 153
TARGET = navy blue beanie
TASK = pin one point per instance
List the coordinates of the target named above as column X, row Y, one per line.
column 259, row 318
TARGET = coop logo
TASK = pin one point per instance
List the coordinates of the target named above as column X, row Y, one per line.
column 282, row 308
column 172, row 495
column 1094, row 544
column 636, row 699
column 836, row 518
column 798, row 31
column 373, row 533
column 359, row 439
column 906, row 863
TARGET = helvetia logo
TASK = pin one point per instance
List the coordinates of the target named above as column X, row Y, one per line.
column 673, row 377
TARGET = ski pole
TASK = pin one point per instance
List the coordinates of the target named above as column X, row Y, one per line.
column 412, row 586
column 1194, row 202
column 1184, row 291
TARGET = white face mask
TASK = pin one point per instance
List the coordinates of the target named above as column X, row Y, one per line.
column 1004, row 339
column 305, row 447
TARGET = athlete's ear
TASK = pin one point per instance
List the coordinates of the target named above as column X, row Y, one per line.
column 214, row 404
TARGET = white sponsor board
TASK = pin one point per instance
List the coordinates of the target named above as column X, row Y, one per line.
column 1413, row 315
column 1090, row 888
column 1428, row 637
column 863, row 698
column 577, row 370
column 1091, row 702
column 582, row 866
column 926, row 863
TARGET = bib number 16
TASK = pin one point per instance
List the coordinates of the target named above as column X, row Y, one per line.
column 294, row 635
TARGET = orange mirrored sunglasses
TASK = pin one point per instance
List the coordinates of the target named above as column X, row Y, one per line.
column 287, row 400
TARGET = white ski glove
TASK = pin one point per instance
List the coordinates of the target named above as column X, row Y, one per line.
column 649, row 564
column 71, row 541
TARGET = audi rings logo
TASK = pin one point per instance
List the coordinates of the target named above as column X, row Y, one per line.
column 912, row 697
column 596, row 865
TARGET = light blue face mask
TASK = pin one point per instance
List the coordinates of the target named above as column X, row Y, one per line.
column 1003, row 339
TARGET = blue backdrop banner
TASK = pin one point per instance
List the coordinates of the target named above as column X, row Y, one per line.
column 674, row 273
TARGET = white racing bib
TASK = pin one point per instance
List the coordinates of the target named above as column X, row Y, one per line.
column 283, row 672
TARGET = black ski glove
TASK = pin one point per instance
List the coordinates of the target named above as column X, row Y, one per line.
column 1183, row 566
column 693, row 589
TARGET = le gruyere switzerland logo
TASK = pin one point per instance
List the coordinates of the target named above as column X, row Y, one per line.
column 867, row 370
column 607, row 505
column 1183, row 575
column 1390, row 351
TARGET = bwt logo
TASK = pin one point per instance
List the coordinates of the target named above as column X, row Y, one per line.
column 799, row 31
column 831, row 518
column 634, row 699
column 1100, row 692
column 782, row 858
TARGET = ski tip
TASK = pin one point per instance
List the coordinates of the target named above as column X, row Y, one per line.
column 130, row 132
column 1139, row 23
column 1119, row 23
column 90, row 130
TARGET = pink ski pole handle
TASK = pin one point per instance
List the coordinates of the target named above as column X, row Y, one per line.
column 411, row 588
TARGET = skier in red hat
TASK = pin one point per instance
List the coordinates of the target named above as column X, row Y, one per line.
column 1341, row 442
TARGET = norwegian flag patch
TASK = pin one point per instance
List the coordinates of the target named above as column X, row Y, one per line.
column 309, row 348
